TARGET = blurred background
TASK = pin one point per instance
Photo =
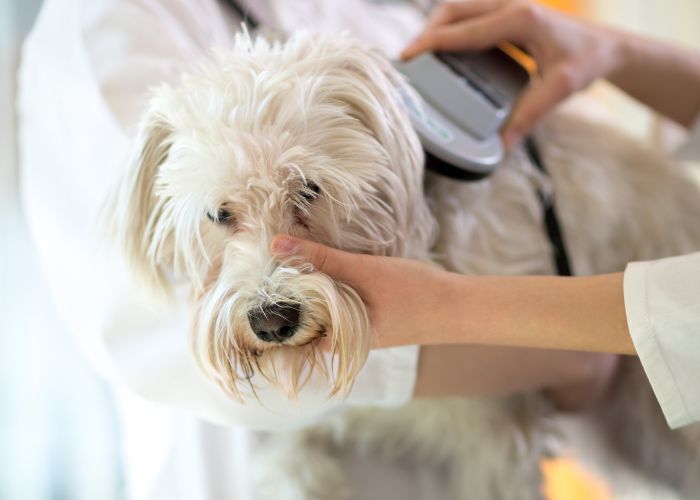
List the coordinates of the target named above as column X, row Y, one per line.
column 59, row 433
column 59, row 437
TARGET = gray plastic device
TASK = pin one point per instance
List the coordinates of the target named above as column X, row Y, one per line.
column 464, row 100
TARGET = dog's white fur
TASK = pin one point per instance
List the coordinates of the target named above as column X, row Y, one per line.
column 256, row 130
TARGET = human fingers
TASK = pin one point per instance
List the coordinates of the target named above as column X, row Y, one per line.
column 450, row 12
column 342, row 266
column 339, row 265
column 515, row 23
column 539, row 99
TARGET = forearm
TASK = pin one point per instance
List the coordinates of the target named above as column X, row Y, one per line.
column 502, row 322
column 471, row 370
column 582, row 313
column 551, row 320
column 665, row 77
column 413, row 303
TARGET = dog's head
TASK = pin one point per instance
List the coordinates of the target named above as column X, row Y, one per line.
column 308, row 138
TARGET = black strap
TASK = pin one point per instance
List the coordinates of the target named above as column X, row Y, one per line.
column 551, row 221
column 243, row 13
column 442, row 167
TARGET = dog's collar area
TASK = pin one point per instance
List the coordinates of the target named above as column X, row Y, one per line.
column 250, row 21
column 551, row 220
column 441, row 167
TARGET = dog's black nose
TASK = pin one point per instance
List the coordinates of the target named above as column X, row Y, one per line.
column 274, row 322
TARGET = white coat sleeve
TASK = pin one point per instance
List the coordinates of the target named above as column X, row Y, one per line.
column 85, row 71
column 662, row 302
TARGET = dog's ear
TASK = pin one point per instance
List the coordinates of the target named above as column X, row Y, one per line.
column 374, row 94
column 373, row 91
column 137, row 208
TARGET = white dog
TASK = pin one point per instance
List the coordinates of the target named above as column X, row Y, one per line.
column 310, row 138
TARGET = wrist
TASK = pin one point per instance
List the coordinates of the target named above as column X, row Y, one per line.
column 439, row 302
column 454, row 308
column 623, row 49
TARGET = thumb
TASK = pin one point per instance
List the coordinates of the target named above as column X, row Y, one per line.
column 335, row 263
column 539, row 99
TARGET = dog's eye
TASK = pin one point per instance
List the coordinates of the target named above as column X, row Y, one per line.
column 311, row 191
column 223, row 216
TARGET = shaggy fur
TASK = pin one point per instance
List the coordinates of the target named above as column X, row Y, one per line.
column 310, row 138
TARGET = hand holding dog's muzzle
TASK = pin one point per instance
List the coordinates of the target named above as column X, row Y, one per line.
column 407, row 300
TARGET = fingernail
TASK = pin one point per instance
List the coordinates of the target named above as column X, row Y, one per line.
column 284, row 245
column 410, row 49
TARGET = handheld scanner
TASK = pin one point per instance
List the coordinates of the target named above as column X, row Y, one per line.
column 464, row 100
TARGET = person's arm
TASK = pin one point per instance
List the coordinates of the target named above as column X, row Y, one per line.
column 663, row 76
column 414, row 303
column 581, row 313
column 570, row 53
column 502, row 324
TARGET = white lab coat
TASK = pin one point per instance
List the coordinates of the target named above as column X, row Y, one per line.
column 85, row 69
column 85, row 72
column 662, row 302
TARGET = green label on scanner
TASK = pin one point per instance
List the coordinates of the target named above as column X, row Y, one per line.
column 439, row 130
column 436, row 127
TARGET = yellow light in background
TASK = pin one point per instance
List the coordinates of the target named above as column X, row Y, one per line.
column 577, row 7
column 571, row 6
column 565, row 479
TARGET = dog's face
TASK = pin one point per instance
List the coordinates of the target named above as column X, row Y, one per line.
column 307, row 138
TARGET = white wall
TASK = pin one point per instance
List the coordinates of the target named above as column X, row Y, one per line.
column 677, row 20
column 7, row 64
column 672, row 20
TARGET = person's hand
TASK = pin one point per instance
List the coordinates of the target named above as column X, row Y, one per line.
column 403, row 297
column 570, row 53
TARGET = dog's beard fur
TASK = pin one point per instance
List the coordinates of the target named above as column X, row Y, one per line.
column 229, row 354
column 308, row 138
